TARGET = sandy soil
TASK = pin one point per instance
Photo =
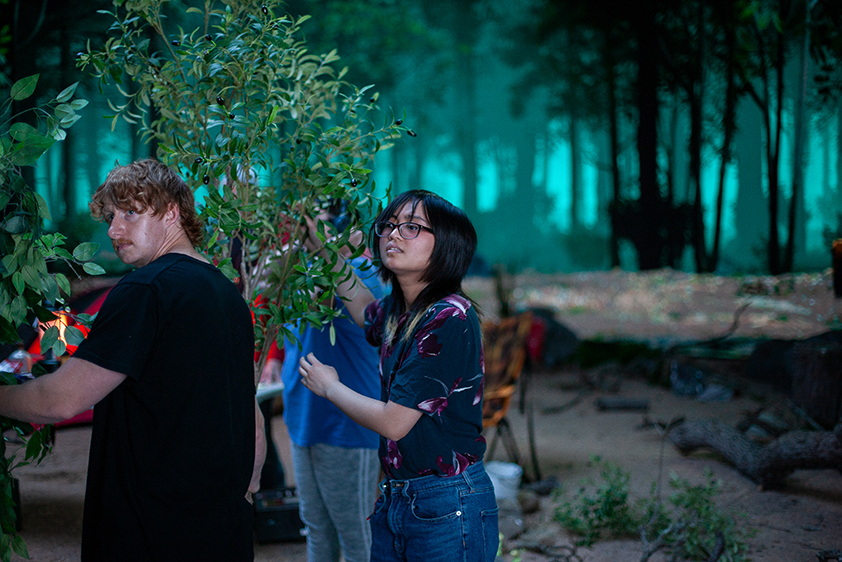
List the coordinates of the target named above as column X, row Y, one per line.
column 660, row 308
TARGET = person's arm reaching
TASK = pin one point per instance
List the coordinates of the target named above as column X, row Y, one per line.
column 259, row 449
column 353, row 291
column 389, row 419
column 75, row 387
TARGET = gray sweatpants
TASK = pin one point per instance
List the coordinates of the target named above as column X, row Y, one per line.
column 337, row 488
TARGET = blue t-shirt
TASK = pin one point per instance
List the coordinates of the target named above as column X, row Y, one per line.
column 311, row 419
column 438, row 370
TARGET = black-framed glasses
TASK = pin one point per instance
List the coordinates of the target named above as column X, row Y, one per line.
column 407, row 230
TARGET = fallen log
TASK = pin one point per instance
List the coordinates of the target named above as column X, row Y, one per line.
column 768, row 464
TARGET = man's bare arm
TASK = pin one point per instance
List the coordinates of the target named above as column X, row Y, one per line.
column 73, row 388
column 259, row 448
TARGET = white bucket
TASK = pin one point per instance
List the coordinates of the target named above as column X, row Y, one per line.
column 505, row 476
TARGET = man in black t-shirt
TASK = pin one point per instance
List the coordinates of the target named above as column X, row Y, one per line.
column 177, row 442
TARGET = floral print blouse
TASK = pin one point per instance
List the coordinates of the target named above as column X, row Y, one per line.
column 438, row 370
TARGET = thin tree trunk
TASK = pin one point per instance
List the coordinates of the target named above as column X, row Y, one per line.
column 463, row 26
column 773, row 159
column 613, row 246
column 650, row 245
column 575, row 172
column 67, row 147
column 672, row 153
column 796, row 204
column 839, row 148
column 729, row 120
column 697, row 98
column 695, row 149
column 397, row 162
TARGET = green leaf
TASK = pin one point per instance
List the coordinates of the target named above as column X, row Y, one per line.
column 10, row 264
column 16, row 225
column 19, row 546
column 30, row 149
column 68, row 121
column 34, row 445
column 24, row 87
column 18, row 310
column 22, row 132
column 49, row 338
column 59, row 348
column 43, row 208
column 67, row 93
column 49, row 288
column 93, row 269
column 63, row 283
column 85, row 251
column 30, row 277
column 73, row 335
column 85, row 319
column 18, row 282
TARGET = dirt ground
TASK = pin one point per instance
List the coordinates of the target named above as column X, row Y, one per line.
column 659, row 308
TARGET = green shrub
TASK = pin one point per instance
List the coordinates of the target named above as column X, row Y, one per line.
column 688, row 525
column 600, row 508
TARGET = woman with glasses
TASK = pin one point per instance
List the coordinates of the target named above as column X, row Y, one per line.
column 436, row 501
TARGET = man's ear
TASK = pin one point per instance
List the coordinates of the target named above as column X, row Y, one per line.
column 173, row 214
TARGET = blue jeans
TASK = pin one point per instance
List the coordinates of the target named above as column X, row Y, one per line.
column 434, row 518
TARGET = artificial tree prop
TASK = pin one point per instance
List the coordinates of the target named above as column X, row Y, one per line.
column 28, row 289
column 269, row 130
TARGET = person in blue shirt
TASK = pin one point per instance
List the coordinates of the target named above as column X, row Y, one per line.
column 437, row 501
column 334, row 459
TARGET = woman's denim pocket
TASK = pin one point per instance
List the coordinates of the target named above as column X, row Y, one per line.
column 436, row 504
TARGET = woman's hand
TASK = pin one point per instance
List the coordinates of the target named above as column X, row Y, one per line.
column 391, row 420
column 317, row 376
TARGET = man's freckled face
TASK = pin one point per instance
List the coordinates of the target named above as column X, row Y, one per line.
column 136, row 237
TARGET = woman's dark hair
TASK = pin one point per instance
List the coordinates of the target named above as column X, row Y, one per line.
column 455, row 244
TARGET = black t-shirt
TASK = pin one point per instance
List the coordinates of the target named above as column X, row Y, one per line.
column 172, row 447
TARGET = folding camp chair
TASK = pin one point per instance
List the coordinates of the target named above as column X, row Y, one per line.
column 505, row 347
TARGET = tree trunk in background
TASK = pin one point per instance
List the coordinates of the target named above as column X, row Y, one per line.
column 524, row 138
column 650, row 246
column 67, row 146
column 839, row 148
column 547, row 142
column 28, row 19
column 465, row 25
column 695, row 176
column 614, row 141
column 603, row 179
column 824, row 130
column 92, row 158
column 773, row 151
column 796, row 227
column 575, row 171
column 696, row 95
column 672, row 152
column 751, row 224
column 729, row 124
column 398, row 168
